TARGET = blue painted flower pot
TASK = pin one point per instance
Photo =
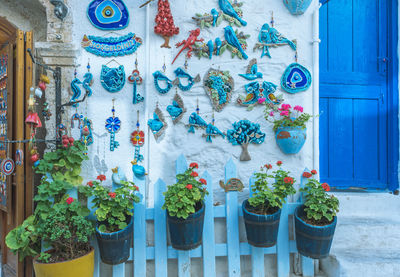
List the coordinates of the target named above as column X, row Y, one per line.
column 291, row 139
column 186, row 234
column 313, row 241
column 261, row 230
column 297, row 7
column 115, row 247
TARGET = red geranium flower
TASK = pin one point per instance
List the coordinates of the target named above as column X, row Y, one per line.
column 90, row 184
column 189, row 186
column 279, row 163
column 307, row 175
column 101, row 178
column 194, row 165
column 70, row 200
column 313, row 172
column 136, row 188
column 268, row 166
column 112, row 194
column 326, row 186
column 194, row 174
column 203, row 181
column 288, row 180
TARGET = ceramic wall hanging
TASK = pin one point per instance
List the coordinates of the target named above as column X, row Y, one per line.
column 252, row 72
column 296, row 78
column 86, row 132
column 112, row 79
column 212, row 131
column 111, row 46
column 88, row 81
column 165, row 23
column 108, row 14
column 157, row 125
column 230, row 12
column 219, row 86
column 181, row 73
column 113, row 125
column 257, row 93
column 137, row 139
column 136, row 80
column 195, row 121
column 188, row 43
column 243, row 133
column 297, row 7
column 76, row 90
column 160, row 76
column 177, row 109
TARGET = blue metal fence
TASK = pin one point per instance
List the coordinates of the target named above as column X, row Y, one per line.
column 233, row 249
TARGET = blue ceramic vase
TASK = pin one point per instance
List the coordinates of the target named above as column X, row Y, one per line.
column 291, row 139
column 186, row 234
column 261, row 230
column 297, row 7
column 313, row 241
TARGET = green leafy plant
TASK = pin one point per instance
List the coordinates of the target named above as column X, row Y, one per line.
column 320, row 207
column 286, row 116
column 61, row 170
column 114, row 208
column 271, row 189
column 187, row 195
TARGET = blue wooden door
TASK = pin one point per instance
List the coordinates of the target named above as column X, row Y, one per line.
column 353, row 93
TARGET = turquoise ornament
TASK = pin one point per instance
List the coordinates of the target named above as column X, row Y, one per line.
column 291, row 139
column 297, row 7
column 112, row 79
column 232, row 39
column 136, row 80
column 252, row 72
column 218, row 45
column 113, row 125
column 210, row 45
column 137, row 139
column 212, row 131
column 195, row 121
column 219, row 86
column 76, row 90
column 111, row 46
column 86, row 132
column 296, row 78
column 88, row 81
column 159, row 76
column 177, row 109
column 157, row 125
column 182, row 73
column 108, row 14
column 228, row 9
column 257, row 93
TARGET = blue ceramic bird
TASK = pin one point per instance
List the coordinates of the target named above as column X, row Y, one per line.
column 118, row 177
column 76, row 90
column 252, row 71
column 215, row 15
column 210, row 45
column 177, row 109
column 87, row 83
column 195, row 120
column 158, row 75
column 157, row 124
column 218, row 44
column 271, row 36
column 232, row 39
column 181, row 73
column 228, row 9
column 211, row 131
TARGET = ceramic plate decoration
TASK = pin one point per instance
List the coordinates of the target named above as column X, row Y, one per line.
column 112, row 46
column 296, row 78
column 112, row 79
column 219, row 86
column 297, row 7
column 108, row 14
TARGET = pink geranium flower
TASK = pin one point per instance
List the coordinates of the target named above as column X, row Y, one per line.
column 298, row 108
column 284, row 113
column 285, row 107
column 261, row 100
column 271, row 114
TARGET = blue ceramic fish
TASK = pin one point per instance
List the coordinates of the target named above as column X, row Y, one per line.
column 269, row 36
column 228, row 9
column 232, row 39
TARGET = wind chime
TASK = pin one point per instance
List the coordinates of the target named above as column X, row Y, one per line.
column 138, row 139
column 113, row 125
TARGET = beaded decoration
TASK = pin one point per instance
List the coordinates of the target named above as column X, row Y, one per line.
column 137, row 139
column 76, row 117
column 108, row 14
column 252, row 72
column 195, row 120
column 136, row 80
column 112, row 79
column 111, row 46
column 113, row 125
column 243, row 133
column 212, row 131
column 177, row 109
column 157, row 125
column 86, row 132
column 270, row 37
column 219, row 86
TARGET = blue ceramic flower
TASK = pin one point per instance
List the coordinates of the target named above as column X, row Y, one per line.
column 113, row 124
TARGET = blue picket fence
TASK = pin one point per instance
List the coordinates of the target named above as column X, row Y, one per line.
column 233, row 249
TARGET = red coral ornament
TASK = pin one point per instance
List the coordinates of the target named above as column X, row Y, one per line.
column 165, row 23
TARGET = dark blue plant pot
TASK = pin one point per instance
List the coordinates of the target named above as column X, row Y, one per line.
column 290, row 139
column 186, row 234
column 261, row 230
column 115, row 248
column 313, row 241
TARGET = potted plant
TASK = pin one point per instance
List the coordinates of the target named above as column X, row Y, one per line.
column 289, row 127
column 184, row 202
column 114, row 213
column 59, row 221
column 261, row 212
column 315, row 221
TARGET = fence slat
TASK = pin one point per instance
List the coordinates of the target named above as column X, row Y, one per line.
column 160, row 231
column 232, row 223
column 257, row 253
column 119, row 270
column 209, row 269
column 97, row 259
column 282, row 248
column 139, row 238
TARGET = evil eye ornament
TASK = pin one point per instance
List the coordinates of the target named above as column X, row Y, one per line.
column 112, row 79
column 108, row 14
column 296, row 78
column 7, row 166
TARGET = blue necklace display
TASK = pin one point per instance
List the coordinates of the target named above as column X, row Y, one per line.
column 108, row 14
column 112, row 79
column 113, row 125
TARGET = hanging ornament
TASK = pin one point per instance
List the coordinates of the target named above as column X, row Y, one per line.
column 297, row 7
column 46, row 111
column 112, row 79
column 195, row 120
column 76, row 117
column 233, row 40
column 188, row 43
column 76, row 90
column 219, row 86
column 183, row 74
column 270, row 37
column 160, row 76
column 296, row 78
column 212, row 131
column 86, row 132
column 113, row 125
column 257, row 93
column 165, row 23
column 111, row 46
column 177, row 109
column 61, row 131
column 157, row 125
column 137, row 139
column 7, row 166
column 88, row 81
column 136, row 80
column 32, row 119
column 19, row 157
column 252, row 72
column 108, row 14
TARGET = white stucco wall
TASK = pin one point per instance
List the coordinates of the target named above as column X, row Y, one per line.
column 160, row 155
